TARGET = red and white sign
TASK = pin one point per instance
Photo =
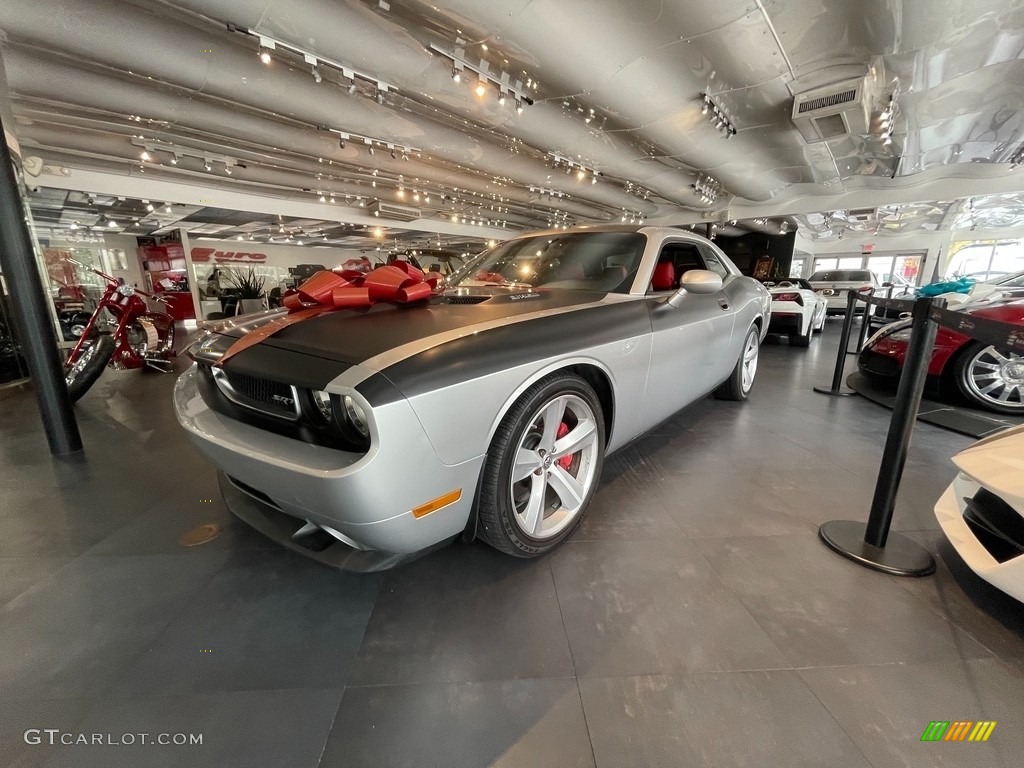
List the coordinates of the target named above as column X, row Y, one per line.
column 204, row 255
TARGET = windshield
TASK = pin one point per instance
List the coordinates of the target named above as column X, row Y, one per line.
column 1011, row 281
column 843, row 275
column 589, row 261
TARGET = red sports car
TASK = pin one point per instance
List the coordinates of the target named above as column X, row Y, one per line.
column 987, row 377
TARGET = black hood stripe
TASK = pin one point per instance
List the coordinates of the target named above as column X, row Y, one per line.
column 357, row 336
column 472, row 356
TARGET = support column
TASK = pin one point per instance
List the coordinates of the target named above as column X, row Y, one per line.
column 31, row 314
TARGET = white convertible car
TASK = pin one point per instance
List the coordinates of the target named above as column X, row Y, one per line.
column 797, row 311
column 982, row 512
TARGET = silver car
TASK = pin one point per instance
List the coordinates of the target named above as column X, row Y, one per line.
column 361, row 437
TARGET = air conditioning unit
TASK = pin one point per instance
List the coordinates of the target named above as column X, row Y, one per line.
column 832, row 111
column 392, row 211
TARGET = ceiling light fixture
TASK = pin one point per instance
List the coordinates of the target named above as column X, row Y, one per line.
column 502, row 80
column 582, row 170
column 268, row 44
column 717, row 116
column 708, row 189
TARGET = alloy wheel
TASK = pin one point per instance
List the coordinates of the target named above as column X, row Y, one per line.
column 749, row 367
column 996, row 378
column 555, row 466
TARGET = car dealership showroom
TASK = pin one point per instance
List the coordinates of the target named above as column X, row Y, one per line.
column 534, row 383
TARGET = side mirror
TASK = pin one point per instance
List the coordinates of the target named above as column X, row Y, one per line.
column 698, row 281
column 887, row 285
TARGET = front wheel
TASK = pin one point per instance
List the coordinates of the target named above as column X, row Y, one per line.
column 741, row 380
column 991, row 379
column 543, row 467
column 82, row 373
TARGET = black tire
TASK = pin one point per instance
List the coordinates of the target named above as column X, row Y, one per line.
column 96, row 356
column 969, row 367
column 501, row 523
column 737, row 386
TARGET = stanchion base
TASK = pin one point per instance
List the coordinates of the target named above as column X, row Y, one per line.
column 835, row 393
column 900, row 556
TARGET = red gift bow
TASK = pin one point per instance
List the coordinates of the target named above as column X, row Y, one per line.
column 398, row 282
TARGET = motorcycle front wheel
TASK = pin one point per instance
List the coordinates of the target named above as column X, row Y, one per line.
column 87, row 367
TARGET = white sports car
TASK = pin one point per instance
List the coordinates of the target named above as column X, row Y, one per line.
column 797, row 311
column 982, row 512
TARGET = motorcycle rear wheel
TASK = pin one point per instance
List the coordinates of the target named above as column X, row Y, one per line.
column 90, row 363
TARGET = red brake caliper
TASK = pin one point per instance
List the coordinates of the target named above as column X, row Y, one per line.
column 565, row 461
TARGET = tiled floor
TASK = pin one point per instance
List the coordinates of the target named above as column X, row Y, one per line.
column 693, row 620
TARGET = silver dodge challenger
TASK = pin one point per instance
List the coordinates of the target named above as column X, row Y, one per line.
column 364, row 436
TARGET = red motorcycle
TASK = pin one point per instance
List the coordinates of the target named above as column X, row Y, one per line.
column 139, row 337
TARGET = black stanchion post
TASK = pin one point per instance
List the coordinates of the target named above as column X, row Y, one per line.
column 844, row 341
column 32, row 319
column 865, row 323
column 873, row 545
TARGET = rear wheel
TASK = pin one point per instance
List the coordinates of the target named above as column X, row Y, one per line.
column 543, row 467
column 741, row 380
column 82, row 373
column 990, row 378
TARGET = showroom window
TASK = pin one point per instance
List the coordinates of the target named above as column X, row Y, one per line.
column 901, row 269
column 985, row 261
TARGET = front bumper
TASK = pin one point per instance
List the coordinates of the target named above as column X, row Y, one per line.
column 967, row 539
column 363, row 500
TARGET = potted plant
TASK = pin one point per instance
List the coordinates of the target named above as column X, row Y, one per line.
column 248, row 286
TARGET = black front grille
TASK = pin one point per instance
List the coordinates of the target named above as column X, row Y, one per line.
column 467, row 299
column 996, row 524
column 258, row 390
column 260, row 394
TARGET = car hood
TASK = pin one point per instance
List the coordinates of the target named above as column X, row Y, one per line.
column 997, row 463
column 356, row 336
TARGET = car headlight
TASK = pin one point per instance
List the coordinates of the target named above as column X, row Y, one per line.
column 898, row 331
column 322, row 401
column 356, row 416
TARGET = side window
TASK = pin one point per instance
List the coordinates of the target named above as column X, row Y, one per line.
column 713, row 263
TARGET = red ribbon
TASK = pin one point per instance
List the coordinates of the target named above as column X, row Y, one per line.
column 398, row 283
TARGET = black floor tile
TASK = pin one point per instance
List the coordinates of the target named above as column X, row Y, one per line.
column 237, row 730
column 24, row 741
column 764, row 719
column 885, row 710
column 72, row 634
column 464, row 613
column 18, row 574
column 502, row 723
column 822, row 609
column 266, row 620
column 645, row 607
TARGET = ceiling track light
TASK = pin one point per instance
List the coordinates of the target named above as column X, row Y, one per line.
column 317, row 62
column 717, row 116
column 371, row 143
column 501, row 81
